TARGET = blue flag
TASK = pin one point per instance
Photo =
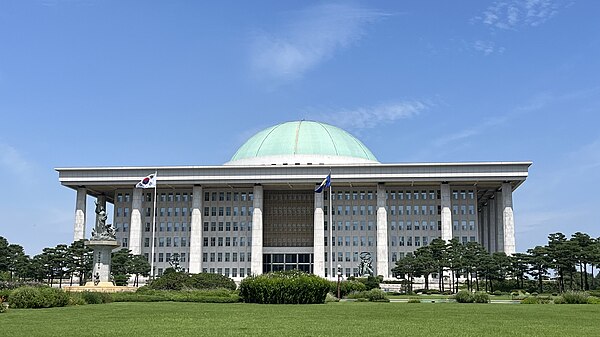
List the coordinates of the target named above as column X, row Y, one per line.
column 326, row 183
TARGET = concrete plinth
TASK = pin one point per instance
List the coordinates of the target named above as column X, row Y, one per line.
column 102, row 261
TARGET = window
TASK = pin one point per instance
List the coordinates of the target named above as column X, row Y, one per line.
column 146, row 242
column 124, row 242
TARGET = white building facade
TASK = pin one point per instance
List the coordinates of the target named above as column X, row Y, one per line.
column 259, row 212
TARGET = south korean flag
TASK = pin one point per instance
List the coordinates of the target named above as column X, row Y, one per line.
column 147, row 182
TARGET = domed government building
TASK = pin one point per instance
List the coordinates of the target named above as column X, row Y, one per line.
column 259, row 212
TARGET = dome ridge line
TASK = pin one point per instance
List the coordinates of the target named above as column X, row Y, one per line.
column 330, row 137
column 266, row 136
column 297, row 135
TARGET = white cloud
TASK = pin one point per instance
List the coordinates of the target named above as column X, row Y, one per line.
column 312, row 37
column 12, row 161
column 513, row 14
column 487, row 47
column 370, row 117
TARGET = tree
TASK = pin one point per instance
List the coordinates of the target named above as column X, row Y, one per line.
column 80, row 261
column 139, row 266
column 583, row 243
column 121, row 265
column 406, row 267
column 562, row 256
column 440, row 260
column 424, row 259
column 455, row 252
column 519, row 268
column 539, row 263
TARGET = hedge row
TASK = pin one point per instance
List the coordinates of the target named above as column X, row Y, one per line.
column 181, row 281
column 286, row 287
column 200, row 296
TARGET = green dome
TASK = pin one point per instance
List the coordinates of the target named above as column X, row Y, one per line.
column 302, row 142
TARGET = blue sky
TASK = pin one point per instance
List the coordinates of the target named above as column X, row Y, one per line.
column 113, row 83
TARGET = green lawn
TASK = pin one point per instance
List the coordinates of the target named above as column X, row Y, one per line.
column 335, row 319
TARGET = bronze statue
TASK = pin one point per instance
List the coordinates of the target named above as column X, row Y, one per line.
column 102, row 231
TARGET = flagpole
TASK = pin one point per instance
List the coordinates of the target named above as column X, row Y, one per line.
column 331, row 273
column 153, row 227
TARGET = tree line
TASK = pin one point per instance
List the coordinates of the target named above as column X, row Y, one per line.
column 572, row 261
column 57, row 264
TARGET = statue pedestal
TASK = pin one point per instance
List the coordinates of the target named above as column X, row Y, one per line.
column 102, row 261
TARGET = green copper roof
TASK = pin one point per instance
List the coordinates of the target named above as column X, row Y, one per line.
column 303, row 138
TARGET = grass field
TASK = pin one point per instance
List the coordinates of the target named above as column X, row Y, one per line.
column 334, row 319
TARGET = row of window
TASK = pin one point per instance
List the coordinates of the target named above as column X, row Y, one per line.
column 347, row 195
column 234, row 271
column 226, row 257
column 228, row 196
column 345, row 241
column 167, row 227
column 226, row 226
column 162, row 197
column 282, row 211
column 416, row 225
column 228, row 211
column 167, row 242
column 341, row 225
column 227, row 241
column 354, row 195
column 165, row 257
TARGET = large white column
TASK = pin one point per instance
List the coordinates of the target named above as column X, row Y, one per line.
column 382, row 233
column 499, row 221
column 319, row 237
column 79, row 227
column 486, row 226
column 446, row 216
column 135, row 223
column 257, row 232
column 195, row 258
column 493, row 230
column 508, row 219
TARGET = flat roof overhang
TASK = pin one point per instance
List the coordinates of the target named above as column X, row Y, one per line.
column 105, row 180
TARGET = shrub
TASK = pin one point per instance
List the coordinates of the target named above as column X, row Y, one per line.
column 559, row 300
column 91, row 297
column 76, row 299
column 331, row 298
column 370, row 282
column 211, row 281
column 481, row 297
column 497, row 293
column 53, row 297
column 593, row 300
column 358, row 294
column 43, row 297
column 575, row 297
column 26, row 297
column 377, row 295
column 414, row 300
column 347, row 287
column 595, row 293
column 288, row 287
column 464, row 297
column 170, row 281
column 3, row 305
column 534, row 293
column 530, row 300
